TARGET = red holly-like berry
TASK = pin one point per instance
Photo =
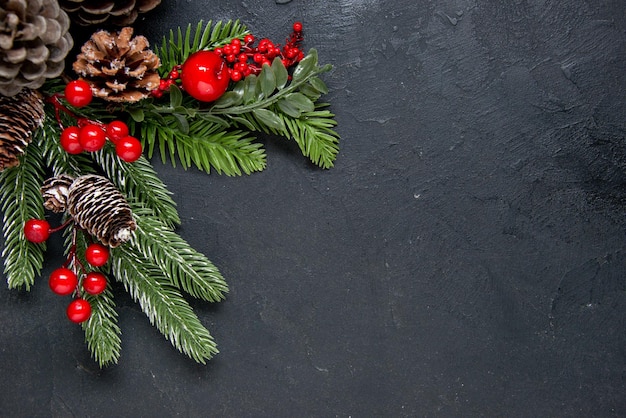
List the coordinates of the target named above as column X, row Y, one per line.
column 205, row 76
column 297, row 27
column 92, row 138
column 36, row 230
column 97, row 254
column 70, row 140
column 78, row 93
column 94, row 283
column 79, row 310
column 63, row 281
column 116, row 130
column 128, row 149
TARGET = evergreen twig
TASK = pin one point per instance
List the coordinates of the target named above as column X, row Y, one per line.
column 186, row 268
column 162, row 303
column 21, row 201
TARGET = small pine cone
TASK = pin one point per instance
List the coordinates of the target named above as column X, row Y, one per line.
column 99, row 12
column 55, row 191
column 118, row 67
column 20, row 116
column 94, row 204
column 34, row 41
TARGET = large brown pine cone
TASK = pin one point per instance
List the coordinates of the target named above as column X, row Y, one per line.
column 94, row 204
column 20, row 115
column 118, row 67
column 34, row 41
column 99, row 12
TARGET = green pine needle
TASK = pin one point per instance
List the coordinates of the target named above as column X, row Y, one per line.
column 21, row 201
column 185, row 267
column 203, row 144
column 162, row 303
column 102, row 334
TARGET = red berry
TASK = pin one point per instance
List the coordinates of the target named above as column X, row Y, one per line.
column 248, row 39
column 97, row 255
column 205, row 76
column 236, row 75
column 94, row 283
column 297, row 27
column 92, row 138
column 236, row 42
column 78, row 93
column 70, row 140
column 79, row 310
column 116, row 130
column 36, row 230
column 63, row 281
column 128, row 149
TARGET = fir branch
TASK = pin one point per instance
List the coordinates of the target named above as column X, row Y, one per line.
column 102, row 333
column 185, row 267
column 162, row 303
column 139, row 182
column 202, row 144
column 178, row 46
column 21, row 201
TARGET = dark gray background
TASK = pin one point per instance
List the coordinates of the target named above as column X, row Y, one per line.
column 465, row 256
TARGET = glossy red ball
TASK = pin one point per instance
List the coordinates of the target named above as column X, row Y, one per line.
column 97, row 254
column 37, row 230
column 205, row 76
column 79, row 310
column 116, row 130
column 78, row 93
column 94, row 283
column 63, row 281
column 92, row 138
column 70, row 140
column 128, row 149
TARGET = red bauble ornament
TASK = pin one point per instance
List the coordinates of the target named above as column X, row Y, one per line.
column 97, row 254
column 37, row 230
column 94, row 283
column 63, row 281
column 79, row 310
column 128, row 149
column 78, row 93
column 92, row 138
column 205, row 76
column 70, row 140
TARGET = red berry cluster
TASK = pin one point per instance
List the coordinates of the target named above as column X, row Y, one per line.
column 245, row 58
column 65, row 281
column 89, row 135
column 166, row 82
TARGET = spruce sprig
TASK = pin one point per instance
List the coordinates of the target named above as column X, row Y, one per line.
column 163, row 303
column 186, row 268
column 102, row 333
column 196, row 142
column 21, row 201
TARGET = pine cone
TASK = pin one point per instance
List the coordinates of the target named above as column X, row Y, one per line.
column 118, row 68
column 34, row 41
column 94, row 204
column 20, row 115
column 98, row 12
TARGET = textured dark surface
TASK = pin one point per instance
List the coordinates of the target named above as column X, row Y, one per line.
column 465, row 256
